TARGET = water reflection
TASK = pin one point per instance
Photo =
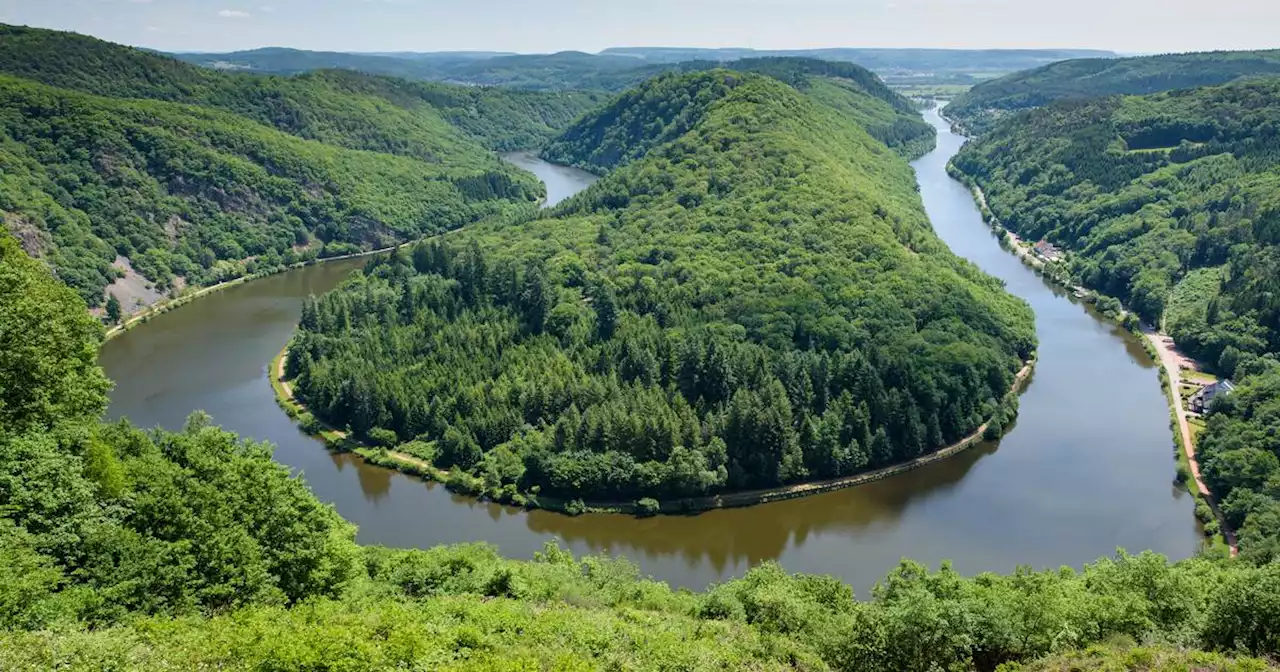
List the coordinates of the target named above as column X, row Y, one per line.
column 732, row 538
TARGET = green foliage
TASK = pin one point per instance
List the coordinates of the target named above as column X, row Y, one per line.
column 207, row 176
column 1170, row 202
column 1147, row 190
column 131, row 550
column 980, row 108
column 767, row 305
column 49, row 370
column 668, row 106
column 1240, row 461
column 648, row 506
column 466, row 608
column 113, row 311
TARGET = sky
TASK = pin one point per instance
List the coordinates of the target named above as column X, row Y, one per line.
column 539, row 26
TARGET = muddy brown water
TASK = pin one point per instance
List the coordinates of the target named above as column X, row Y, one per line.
column 1087, row 469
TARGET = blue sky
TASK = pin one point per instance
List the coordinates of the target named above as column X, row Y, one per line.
column 591, row 25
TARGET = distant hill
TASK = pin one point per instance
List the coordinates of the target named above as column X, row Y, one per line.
column 989, row 101
column 195, row 176
column 881, row 60
column 620, row 68
column 535, row 72
column 631, row 125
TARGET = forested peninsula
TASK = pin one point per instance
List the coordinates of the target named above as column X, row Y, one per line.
column 193, row 176
column 1170, row 203
column 979, row 109
column 754, row 297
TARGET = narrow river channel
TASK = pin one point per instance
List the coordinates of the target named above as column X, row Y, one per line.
column 1088, row 468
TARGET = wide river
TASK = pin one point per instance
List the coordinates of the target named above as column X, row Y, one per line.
column 1089, row 467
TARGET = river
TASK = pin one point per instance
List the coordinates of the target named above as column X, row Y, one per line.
column 1087, row 469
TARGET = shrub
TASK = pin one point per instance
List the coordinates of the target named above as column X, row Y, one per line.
column 648, row 507
column 383, row 437
column 575, row 507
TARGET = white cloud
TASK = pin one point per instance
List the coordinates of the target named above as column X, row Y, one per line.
column 267, row 9
column 155, row 29
column 233, row 14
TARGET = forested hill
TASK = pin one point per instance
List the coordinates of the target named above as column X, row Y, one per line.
column 434, row 122
column 136, row 551
column 196, row 176
column 670, row 104
column 754, row 301
column 989, row 101
column 1170, row 202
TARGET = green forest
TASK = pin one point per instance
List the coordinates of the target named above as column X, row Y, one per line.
column 1170, row 203
column 667, row 106
column 126, row 549
column 757, row 299
column 201, row 176
column 978, row 110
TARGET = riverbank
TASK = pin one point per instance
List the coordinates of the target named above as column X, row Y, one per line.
column 1171, row 363
column 166, row 305
column 469, row 485
column 1158, row 345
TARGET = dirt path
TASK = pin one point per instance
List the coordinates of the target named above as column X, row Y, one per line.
column 1173, row 363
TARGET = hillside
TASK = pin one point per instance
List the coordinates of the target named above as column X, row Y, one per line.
column 1170, row 203
column 428, row 121
column 129, row 550
column 988, row 102
column 666, row 107
column 753, row 298
column 187, row 192
column 190, row 176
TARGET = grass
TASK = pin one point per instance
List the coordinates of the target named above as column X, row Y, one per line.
column 1199, row 377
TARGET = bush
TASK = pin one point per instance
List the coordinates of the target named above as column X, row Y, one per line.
column 1204, row 514
column 383, row 437
column 461, row 482
column 575, row 507
column 648, row 507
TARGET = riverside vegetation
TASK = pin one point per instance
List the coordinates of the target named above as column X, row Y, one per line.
column 756, row 299
column 135, row 550
column 1169, row 202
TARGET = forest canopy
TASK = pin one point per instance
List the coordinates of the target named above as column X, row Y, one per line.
column 196, row 176
column 755, row 299
column 978, row 109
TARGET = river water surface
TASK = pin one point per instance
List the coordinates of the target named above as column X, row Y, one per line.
column 1088, row 468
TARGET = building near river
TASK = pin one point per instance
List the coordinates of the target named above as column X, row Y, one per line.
column 1202, row 400
column 1048, row 251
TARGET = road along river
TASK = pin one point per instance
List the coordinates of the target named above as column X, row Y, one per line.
column 1088, row 468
